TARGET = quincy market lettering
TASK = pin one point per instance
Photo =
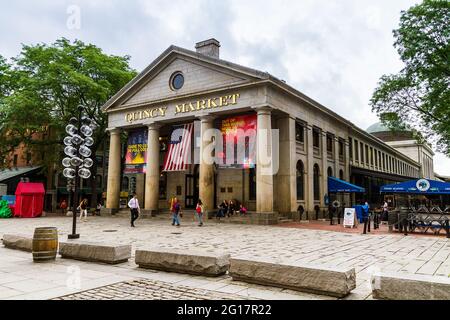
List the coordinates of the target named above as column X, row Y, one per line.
column 205, row 104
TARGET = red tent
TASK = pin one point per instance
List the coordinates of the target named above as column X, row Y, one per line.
column 29, row 200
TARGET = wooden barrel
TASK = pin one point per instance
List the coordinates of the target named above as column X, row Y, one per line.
column 45, row 244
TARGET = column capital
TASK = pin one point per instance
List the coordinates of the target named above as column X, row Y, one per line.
column 206, row 118
column 114, row 130
column 154, row 126
column 263, row 110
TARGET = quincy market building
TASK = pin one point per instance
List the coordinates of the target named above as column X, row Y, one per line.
column 199, row 91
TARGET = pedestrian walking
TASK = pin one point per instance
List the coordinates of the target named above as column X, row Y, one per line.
column 366, row 219
column 135, row 210
column 83, row 209
column 176, row 208
column 63, row 205
column 199, row 212
column 99, row 208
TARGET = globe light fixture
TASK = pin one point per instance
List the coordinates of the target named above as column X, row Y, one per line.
column 71, row 129
column 77, row 139
column 68, row 141
column 89, row 142
column 84, row 173
column 77, row 164
column 86, row 130
column 70, row 151
column 85, row 151
column 69, row 173
column 88, row 162
column 66, row 162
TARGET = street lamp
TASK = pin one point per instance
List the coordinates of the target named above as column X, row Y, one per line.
column 77, row 162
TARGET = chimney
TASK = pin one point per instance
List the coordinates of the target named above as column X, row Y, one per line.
column 209, row 48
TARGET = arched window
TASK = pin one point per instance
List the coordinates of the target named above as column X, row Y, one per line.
column 330, row 172
column 125, row 184
column 252, row 184
column 98, row 181
column 341, row 174
column 316, row 180
column 300, row 181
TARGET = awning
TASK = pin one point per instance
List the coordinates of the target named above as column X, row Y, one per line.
column 7, row 174
column 421, row 186
column 336, row 185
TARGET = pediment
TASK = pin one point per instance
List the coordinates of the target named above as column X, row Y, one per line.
column 200, row 75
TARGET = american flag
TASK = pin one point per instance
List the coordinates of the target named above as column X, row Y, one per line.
column 178, row 156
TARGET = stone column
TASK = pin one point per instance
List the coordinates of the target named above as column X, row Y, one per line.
column 286, row 200
column 324, row 171
column 152, row 175
column 113, row 187
column 264, row 175
column 336, row 157
column 309, row 187
column 206, row 174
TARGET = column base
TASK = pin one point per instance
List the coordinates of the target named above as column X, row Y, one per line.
column 148, row 214
column 108, row 211
column 264, row 218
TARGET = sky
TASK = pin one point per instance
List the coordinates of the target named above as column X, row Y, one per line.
column 334, row 51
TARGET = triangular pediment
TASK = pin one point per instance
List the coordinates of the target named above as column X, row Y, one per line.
column 201, row 74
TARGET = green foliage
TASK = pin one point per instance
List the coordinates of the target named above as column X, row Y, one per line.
column 419, row 95
column 43, row 87
column 5, row 211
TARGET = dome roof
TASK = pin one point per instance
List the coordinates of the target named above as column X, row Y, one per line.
column 377, row 127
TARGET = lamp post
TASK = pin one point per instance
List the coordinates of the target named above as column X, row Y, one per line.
column 77, row 161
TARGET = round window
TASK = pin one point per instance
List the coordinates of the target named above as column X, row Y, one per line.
column 177, row 81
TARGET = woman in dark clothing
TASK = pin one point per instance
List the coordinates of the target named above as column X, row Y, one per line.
column 223, row 209
column 231, row 208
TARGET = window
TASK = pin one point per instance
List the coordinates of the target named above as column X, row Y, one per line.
column 341, row 174
column 300, row 180
column 356, row 150
column 316, row 181
column 341, row 147
column 15, row 160
column 125, row 184
column 362, row 152
column 376, row 158
column 367, row 154
column 163, row 185
column 379, row 158
column 371, row 156
column 350, row 147
column 330, row 172
column 176, row 81
column 316, row 138
column 329, row 143
column 252, row 184
column 299, row 132
column 98, row 181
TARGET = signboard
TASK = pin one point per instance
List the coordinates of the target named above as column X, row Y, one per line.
column 349, row 217
column 239, row 142
column 136, row 157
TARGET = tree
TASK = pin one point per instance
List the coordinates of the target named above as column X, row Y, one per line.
column 47, row 83
column 419, row 95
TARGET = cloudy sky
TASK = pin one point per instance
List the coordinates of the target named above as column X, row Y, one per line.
column 332, row 50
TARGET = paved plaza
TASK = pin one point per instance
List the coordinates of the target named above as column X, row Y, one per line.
column 20, row 278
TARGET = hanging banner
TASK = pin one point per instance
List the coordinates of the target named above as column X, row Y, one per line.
column 239, row 142
column 136, row 156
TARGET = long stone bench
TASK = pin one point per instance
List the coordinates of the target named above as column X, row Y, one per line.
column 336, row 282
column 95, row 252
column 397, row 286
column 183, row 261
column 18, row 242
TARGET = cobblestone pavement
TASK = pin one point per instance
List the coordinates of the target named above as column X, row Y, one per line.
column 366, row 253
column 149, row 290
